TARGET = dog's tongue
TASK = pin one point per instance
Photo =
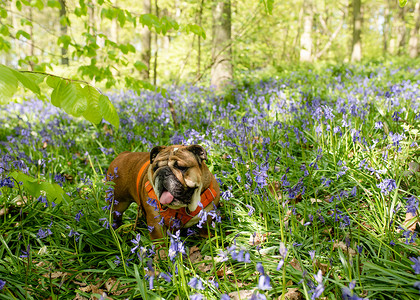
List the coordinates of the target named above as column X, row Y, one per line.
column 166, row 198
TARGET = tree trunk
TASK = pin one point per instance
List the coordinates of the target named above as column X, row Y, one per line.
column 356, row 53
column 415, row 33
column 146, row 42
column 63, row 31
column 221, row 71
column 306, row 38
column 386, row 28
column 114, row 25
column 200, row 17
column 401, row 30
column 31, row 42
column 156, row 47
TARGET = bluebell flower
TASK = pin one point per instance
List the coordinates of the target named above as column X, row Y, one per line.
column 136, row 242
column 26, row 253
column 312, row 254
column 117, row 260
column 319, row 289
column 43, row 234
column 43, row 199
column 196, row 283
column 416, row 265
column 166, row 276
column 258, row 296
column 264, row 282
column 176, row 245
column 2, row 284
column 251, row 209
column 151, row 282
column 196, row 297
column 412, row 205
column 225, row 297
column 348, row 294
column 105, row 223
column 387, row 185
column 152, row 202
column 78, row 216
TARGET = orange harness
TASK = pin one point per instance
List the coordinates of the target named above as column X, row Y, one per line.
column 170, row 215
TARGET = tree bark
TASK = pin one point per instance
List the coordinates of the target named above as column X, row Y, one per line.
column 401, row 31
column 156, row 47
column 63, row 31
column 200, row 17
column 356, row 53
column 386, row 28
column 146, row 42
column 414, row 38
column 221, row 71
column 306, row 38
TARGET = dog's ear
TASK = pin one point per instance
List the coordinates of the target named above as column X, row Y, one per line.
column 199, row 151
column 155, row 151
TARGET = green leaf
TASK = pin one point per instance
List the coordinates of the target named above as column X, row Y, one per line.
column 108, row 111
column 53, row 81
column 4, row 30
column 140, row 66
column 121, row 18
column 69, row 96
column 8, row 84
column 403, row 2
column 19, row 5
column 65, row 40
column 54, row 4
column 34, row 187
column 197, row 30
column 24, row 34
column 92, row 112
column 26, row 81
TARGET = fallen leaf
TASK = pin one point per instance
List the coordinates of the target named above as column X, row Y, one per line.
column 295, row 264
column 292, row 294
column 344, row 247
column 258, row 238
column 244, row 294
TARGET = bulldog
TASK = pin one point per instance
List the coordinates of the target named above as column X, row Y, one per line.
column 171, row 185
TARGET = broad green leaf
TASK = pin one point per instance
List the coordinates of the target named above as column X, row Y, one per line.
column 269, row 6
column 34, row 187
column 26, row 81
column 121, row 18
column 92, row 112
column 24, row 34
column 8, row 84
column 69, row 96
column 65, row 40
column 3, row 12
column 54, row 3
column 403, row 2
column 4, row 30
column 140, row 66
column 108, row 111
column 38, row 4
column 53, row 81
column 19, row 5
column 197, row 30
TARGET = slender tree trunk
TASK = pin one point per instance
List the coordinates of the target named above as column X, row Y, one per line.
column 200, row 17
column 356, row 53
column 146, row 42
column 31, row 43
column 114, row 25
column 156, row 47
column 386, row 27
column 415, row 33
column 401, row 31
column 221, row 71
column 306, row 38
column 63, row 31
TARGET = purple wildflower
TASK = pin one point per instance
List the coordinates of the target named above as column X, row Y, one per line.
column 136, row 242
column 2, row 284
column 196, row 297
column 387, row 185
column 105, row 223
column 412, row 205
column 416, row 265
column 166, row 276
column 196, row 283
column 251, row 209
column 43, row 234
column 78, row 216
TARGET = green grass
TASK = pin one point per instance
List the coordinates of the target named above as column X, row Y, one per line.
column 272, row 145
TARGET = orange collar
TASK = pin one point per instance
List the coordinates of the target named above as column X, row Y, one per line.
column 170, row 215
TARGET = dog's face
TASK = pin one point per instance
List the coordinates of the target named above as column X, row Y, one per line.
column 177, row 174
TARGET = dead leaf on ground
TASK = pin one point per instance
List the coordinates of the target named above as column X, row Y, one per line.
column 223, row 272
column 244, row 294
column 295, row 264
column 410, row 222
column 344, row 247
column 258, row 238
column 78, row 297
column 55, row 275
column 292, row 294
column 323, row 267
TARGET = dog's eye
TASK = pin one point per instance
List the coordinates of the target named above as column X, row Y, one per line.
column 181, row 168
